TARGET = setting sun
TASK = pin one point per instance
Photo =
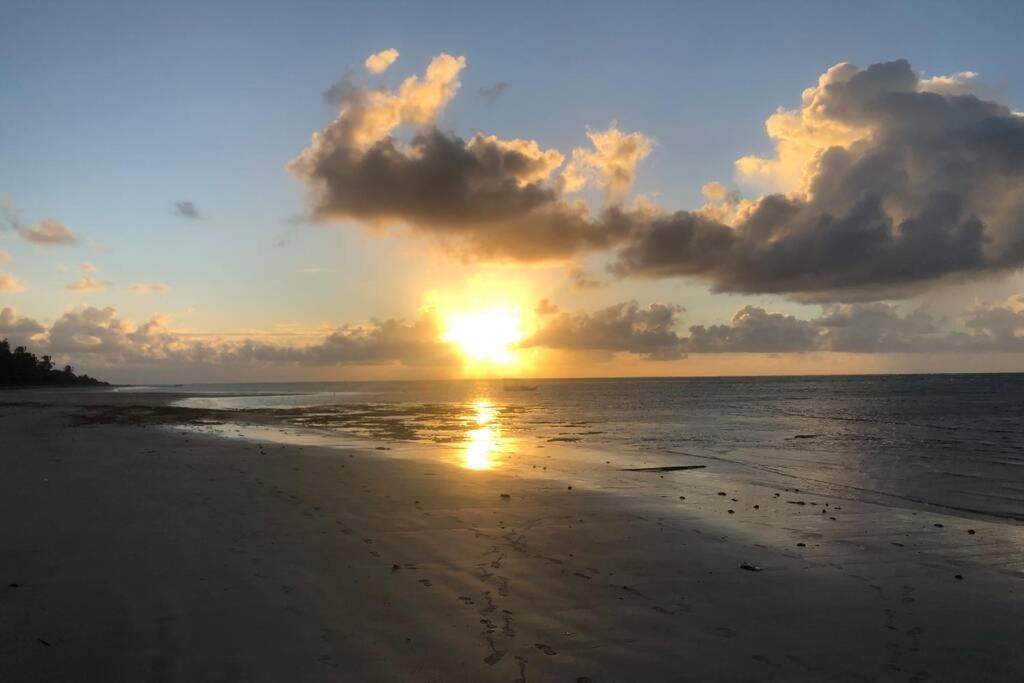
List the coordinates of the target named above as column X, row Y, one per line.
column 486, row 336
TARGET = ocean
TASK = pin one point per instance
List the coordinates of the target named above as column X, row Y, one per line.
column 949, row 442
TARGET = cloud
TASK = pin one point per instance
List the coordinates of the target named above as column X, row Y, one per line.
column 624, row 327
column 187, row 209
column 87, row 283
column 581, row 280
column 100, row 338
column 48, row 232
column 148, row 288
column 88, row 268
column 379, row 63
column 9, row 283
column 754, row 330
column 4, row 257
column 490, row 93
column 612, row 163
column 17, row 329
column 891, row 189
column 546, row 307
column 486, row 197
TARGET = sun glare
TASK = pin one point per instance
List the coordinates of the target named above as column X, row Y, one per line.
column 486, row 336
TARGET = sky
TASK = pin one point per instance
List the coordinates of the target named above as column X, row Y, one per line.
column 214, row 191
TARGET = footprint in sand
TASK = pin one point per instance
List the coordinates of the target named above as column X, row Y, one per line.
column 546, row 649
column 426, row 582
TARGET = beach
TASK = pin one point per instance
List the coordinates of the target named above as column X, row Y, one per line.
column 142, row 542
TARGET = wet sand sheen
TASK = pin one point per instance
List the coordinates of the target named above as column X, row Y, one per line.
column 142, row 553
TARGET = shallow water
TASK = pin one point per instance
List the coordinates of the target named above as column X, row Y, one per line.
column 950, row 441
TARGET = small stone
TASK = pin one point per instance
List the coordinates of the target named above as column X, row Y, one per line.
column 801, row 545
column 749, row 567
column 959, row 577
column 732, row 512
column 971, row 532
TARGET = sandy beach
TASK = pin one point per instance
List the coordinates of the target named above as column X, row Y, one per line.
column 134, row 550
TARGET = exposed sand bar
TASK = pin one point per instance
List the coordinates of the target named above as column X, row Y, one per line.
column 137, row 553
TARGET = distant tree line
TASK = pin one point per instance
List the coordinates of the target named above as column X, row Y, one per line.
column 21, row 368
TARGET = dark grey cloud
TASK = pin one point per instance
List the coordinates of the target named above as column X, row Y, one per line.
column 933, row 193
column 754, row 330
column 187, row 209
column 913, row 183
column 479, row 192
column 624, row 327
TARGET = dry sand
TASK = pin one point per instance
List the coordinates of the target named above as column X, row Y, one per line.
column 138, row 552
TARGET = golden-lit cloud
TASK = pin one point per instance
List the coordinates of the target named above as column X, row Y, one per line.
column 890, row 184
column 148, row 288
column 610, row 165
column 48, row 232
column 801, row 135
column 379, row 62
column 9, row 283
column 87, row 283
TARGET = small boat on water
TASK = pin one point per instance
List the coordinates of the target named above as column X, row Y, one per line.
column 520, row 387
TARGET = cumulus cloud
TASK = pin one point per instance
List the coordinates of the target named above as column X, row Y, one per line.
column 867, row 328
column 624, row 327
column 48, row 232
column 379, row 63
column 87, row 283
column 891, row 188
column 891, row 183
column 148, row 288
column 754, row 330
column 17, row 329
column 610, row 165
column 9, row 283
column 490, row 197
column 187, row 209
column 100, row 338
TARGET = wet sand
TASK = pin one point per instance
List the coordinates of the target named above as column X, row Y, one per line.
column 134, row 551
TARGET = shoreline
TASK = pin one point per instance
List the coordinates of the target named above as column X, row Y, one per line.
column 140, row 553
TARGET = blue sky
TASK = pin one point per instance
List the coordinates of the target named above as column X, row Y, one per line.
column 112, row 112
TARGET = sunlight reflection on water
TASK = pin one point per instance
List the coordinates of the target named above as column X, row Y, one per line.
column 484, row 441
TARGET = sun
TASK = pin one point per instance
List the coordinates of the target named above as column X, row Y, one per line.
column 487, row 335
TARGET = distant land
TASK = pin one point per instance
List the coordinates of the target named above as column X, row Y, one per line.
column 21, row 367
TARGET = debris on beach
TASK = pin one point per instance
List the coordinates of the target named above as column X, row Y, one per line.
column 669, row 468
column 749, row 567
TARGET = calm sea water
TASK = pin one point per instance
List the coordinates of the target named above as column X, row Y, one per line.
column 952, row 441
